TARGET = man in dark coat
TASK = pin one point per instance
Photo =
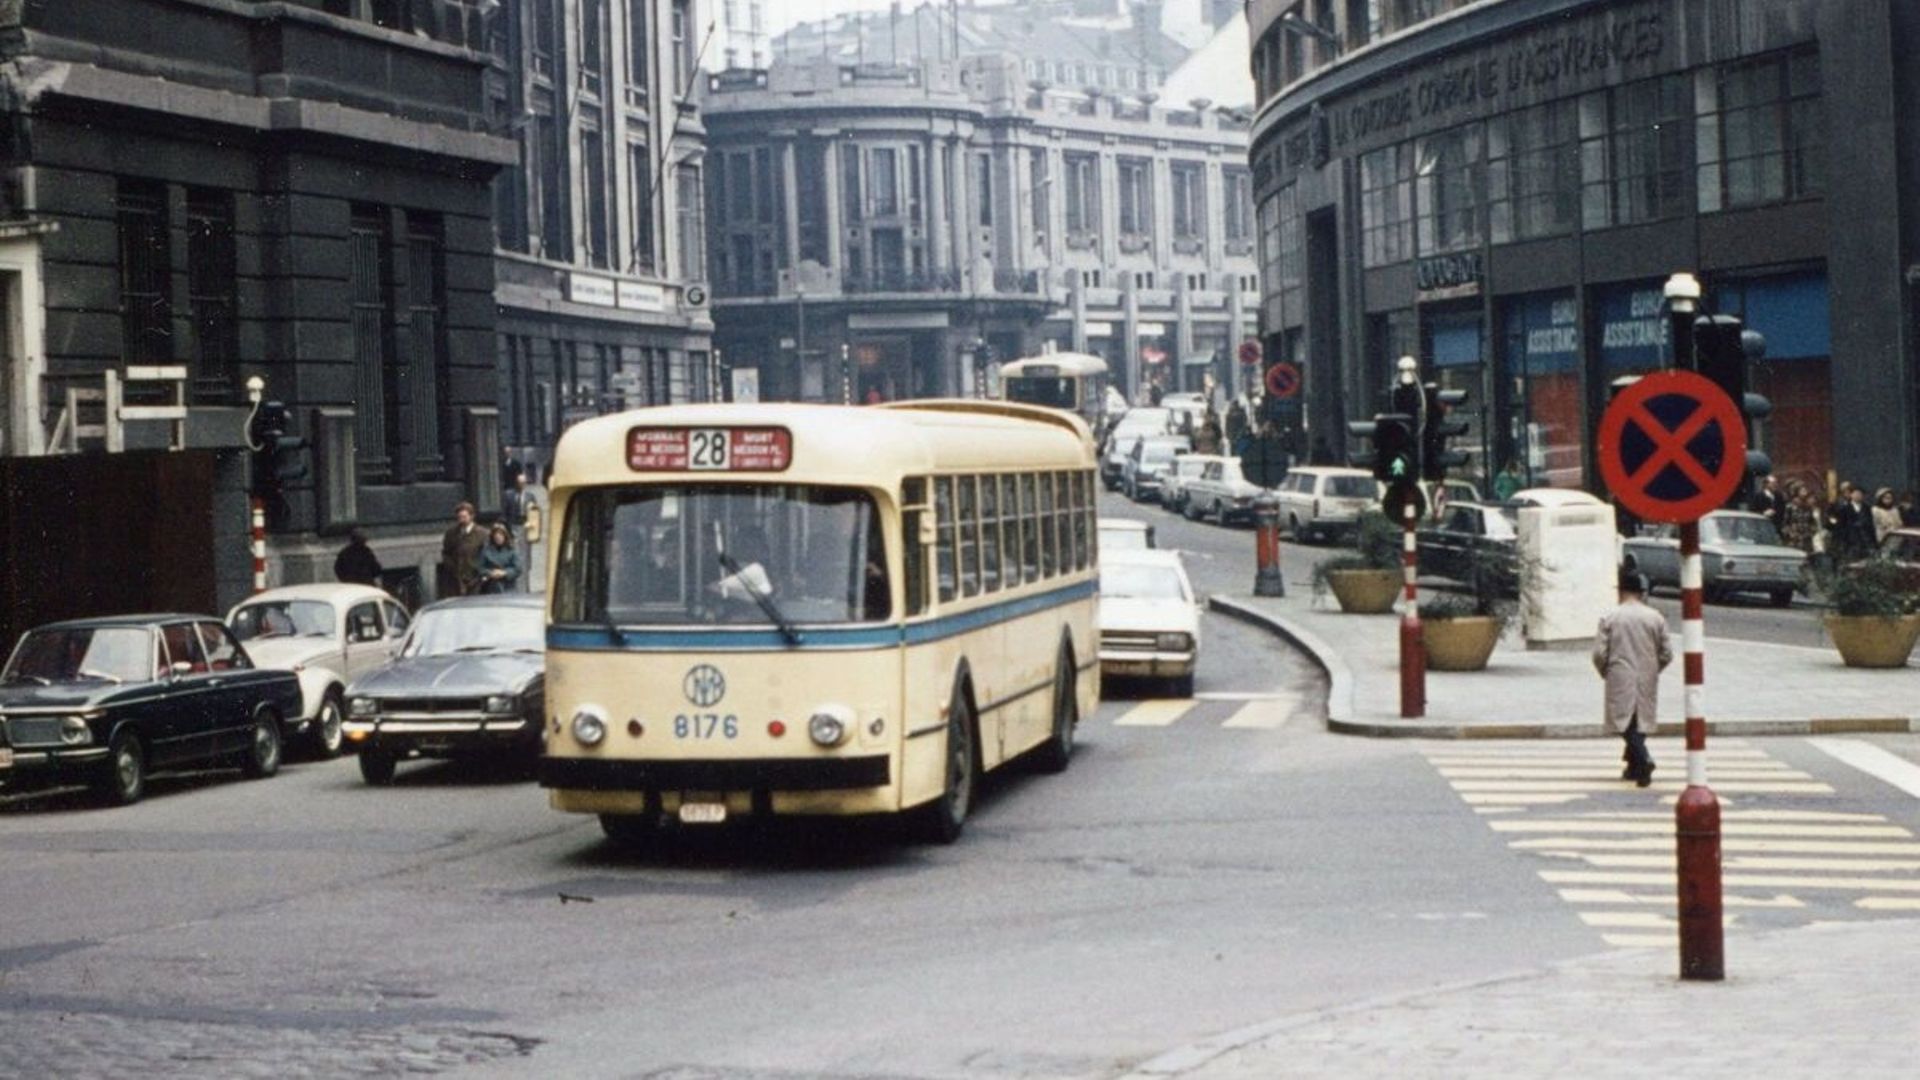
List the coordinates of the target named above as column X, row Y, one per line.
column 459, row 569
column 1770, row 502
column 357, row 564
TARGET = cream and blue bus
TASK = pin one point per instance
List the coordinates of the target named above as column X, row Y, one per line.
column 815, row 610
column 1076, row 382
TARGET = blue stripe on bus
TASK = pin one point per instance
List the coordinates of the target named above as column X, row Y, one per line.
column 627, row 639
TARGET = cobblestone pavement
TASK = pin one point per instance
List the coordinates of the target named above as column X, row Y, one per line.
column 46, row 1040
column 1833, row 1000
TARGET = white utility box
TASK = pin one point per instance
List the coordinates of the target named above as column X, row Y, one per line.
column 1569, row 570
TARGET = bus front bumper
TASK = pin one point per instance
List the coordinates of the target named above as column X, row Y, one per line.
column 775, row 774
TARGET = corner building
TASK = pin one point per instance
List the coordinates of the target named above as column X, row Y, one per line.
column 1501, row 188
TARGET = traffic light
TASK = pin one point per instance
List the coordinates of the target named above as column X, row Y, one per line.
column 278, row 456
column 1394, row 457
column 1439, row 426
column 1726, row 352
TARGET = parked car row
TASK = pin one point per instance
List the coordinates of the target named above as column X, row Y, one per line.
column 106, row 702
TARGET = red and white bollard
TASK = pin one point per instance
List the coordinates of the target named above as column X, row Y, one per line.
column 1266, row 543
column 1697, row 815
column 1413, row 651
column 259, row 514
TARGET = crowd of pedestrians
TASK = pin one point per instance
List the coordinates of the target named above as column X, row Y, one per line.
column 1842, row 530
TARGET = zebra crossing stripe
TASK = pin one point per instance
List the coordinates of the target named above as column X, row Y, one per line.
column 1154, row 713
column 1270, row 713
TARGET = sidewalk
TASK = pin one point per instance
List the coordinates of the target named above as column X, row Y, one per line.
column 1752, row 688
column 1820, row 1001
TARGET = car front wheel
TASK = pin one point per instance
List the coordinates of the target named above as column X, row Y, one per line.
column 327, row 739
column 263, row 751
column 125, row 780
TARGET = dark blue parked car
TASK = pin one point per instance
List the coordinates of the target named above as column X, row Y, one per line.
column 104, row 702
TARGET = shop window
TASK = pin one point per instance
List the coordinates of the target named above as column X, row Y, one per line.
column 1534, row 169
column 1386, row 205
column 1450, row 189
column 1759, row 137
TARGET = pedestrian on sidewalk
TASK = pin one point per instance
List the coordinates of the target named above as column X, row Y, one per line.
column 357, row 564
column 1629, row 652
column 1886, row 516
column 499, row 568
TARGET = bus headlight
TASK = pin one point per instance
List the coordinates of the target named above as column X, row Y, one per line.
column 827, row 727
column 589, row 726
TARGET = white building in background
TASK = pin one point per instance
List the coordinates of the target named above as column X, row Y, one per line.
column 740, row 35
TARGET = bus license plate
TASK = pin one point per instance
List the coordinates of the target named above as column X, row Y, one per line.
column 703, row 813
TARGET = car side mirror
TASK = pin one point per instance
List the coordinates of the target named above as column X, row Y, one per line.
column 180, row 669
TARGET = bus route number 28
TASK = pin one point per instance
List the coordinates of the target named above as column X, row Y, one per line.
column 707, row 449
column 706, row 726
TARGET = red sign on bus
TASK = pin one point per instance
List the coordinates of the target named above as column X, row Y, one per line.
column 765, row 449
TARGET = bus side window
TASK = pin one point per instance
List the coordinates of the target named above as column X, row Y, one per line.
column 1010, row 541
column 1049, row 541
column 913, row 553
column 1079, row 481
column 943, row 520
column 990, row 532
column 968, row 519
column 1063, row 517
column 1029, row 529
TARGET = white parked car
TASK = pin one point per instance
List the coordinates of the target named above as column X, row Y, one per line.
column 1148, row 463
column 1149, row 618
column 1318, row 501
column 1175, row 485
column 1132, row 426
column 329, row 635
column 1222, row 492
column 1124, row 534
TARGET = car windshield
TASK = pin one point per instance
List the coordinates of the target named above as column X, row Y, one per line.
column 1131, row 581
column 1230, row 472
column 283, row 618
column 1158, row 453
column 114, row 654
column 1351, row 487
column 1120, row 539
column 1745, row 530
column 479, row 628
column 732, row 555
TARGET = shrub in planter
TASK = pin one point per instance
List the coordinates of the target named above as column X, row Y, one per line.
column 1367, row 578
column 1461, row 630
column 1876, row 617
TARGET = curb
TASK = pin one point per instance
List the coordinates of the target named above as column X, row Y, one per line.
column 1341, row 721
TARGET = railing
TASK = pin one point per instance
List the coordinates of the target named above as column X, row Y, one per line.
column 109, row 403
column 895, row 279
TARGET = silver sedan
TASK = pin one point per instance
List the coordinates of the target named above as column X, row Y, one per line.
column 1739, row 552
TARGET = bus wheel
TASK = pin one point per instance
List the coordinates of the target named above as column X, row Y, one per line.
column 942, row 819
column 630, row 830
column 1054, row 755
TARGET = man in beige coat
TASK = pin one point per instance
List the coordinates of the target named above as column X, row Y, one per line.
column 1629, row 652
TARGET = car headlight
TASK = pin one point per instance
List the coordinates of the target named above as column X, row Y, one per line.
column 75, row 731
column 1173, row 642
column 362, row 707
column 826, row 729
column 589, row 726
column 502, row 704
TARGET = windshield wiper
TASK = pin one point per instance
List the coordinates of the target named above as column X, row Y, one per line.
column 765, row 600
column 103, row 676
column 478, row 648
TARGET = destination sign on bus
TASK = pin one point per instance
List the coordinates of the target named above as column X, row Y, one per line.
column 757, row 449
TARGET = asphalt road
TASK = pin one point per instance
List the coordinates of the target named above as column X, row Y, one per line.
column 1203, row 866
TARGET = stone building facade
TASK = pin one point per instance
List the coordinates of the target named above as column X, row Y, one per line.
column 884, row 230
column 1500, row 188
column 296, row 190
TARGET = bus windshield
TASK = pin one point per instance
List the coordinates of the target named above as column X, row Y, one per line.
column 714, row 554
column 1031, row 390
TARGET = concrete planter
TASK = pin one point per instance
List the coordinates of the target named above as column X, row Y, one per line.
column 1365, row 592
column 1873, row 641
column 1464, row 643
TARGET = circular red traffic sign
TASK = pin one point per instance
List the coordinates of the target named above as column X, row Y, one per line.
column 1250, row 351
column 1283, row 380
column 1672, row 447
